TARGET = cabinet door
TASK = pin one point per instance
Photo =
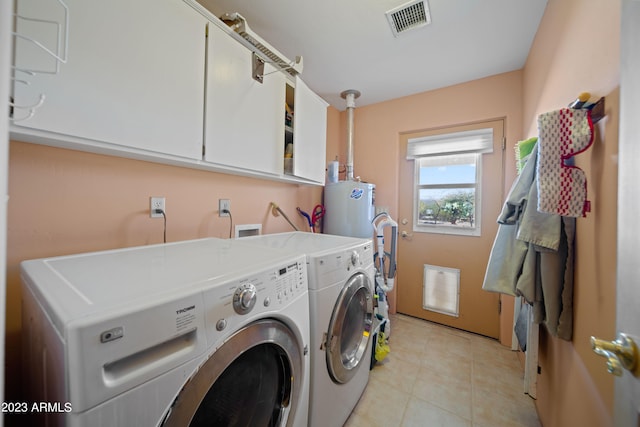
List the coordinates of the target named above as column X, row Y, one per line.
column 244, row 123
column 134, row 75
column 309, row 134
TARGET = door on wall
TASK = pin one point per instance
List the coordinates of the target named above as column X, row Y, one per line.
column 441, row 269
column 627, row 387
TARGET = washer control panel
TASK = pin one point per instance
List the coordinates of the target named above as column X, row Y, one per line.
column 238, row 300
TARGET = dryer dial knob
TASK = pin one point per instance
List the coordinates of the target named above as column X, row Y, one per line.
column 355, row 258
column 244, row 298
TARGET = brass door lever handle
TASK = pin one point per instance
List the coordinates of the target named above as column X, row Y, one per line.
column 621, row 353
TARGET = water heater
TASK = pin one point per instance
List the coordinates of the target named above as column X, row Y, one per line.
column 350, row 207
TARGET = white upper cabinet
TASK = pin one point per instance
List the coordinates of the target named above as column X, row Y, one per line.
column 133, row 79
column 309, row 134
column 245, row 119
column 164, row 81
column 244, row 124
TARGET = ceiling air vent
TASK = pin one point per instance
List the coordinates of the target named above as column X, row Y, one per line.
column 409, row 16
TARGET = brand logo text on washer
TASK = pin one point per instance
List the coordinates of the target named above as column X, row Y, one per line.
column 184, row 310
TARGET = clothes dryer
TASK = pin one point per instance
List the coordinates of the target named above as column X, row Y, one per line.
column 204, row 332
column 341, row 283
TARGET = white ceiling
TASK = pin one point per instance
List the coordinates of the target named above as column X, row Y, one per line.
column 348, row 44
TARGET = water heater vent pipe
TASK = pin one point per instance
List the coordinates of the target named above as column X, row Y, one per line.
column 350, row 95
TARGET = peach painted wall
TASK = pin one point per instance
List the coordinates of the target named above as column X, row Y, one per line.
column 64, row 202
column 576, row 50
column 377, row 128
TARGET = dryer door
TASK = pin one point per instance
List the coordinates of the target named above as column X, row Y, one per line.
column 350, row 328
column 254, row 379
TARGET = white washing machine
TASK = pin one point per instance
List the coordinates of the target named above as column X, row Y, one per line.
column 204, row 332
column 341, row 284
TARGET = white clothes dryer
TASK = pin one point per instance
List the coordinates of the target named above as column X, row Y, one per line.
column 203, row 332
column 341, row 286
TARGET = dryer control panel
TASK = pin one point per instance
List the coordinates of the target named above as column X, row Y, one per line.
column 330, row 269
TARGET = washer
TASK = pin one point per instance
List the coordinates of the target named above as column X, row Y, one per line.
column 341, row 282
column 187, row 333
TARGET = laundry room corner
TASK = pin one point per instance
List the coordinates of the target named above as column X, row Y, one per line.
column 378, row 129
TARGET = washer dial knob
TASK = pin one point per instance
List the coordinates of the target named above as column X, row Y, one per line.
column 244, row 298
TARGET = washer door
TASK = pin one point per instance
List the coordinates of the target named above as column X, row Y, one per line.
column 350, row 328
column 254, row 379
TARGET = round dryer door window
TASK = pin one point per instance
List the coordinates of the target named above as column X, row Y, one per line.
column 350, row 328
column 252, row 380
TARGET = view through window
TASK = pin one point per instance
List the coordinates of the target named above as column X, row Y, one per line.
column 447, row 194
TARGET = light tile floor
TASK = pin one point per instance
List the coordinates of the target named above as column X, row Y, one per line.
column 439, row 376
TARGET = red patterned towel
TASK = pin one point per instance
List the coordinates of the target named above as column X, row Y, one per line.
column 562, row 187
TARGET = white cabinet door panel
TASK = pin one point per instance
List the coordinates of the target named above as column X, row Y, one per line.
column 310, row 134
column 134, row 75
column 244, row 123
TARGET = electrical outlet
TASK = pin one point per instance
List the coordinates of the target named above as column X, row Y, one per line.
column 224, row 204
column 156, row 203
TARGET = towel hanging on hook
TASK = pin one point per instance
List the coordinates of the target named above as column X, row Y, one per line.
column 563, row 134
column 562, row 187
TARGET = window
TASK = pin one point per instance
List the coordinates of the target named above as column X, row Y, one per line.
column 448, row 173
column 447, row 194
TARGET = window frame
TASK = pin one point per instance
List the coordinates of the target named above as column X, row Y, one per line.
column 446, row 229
